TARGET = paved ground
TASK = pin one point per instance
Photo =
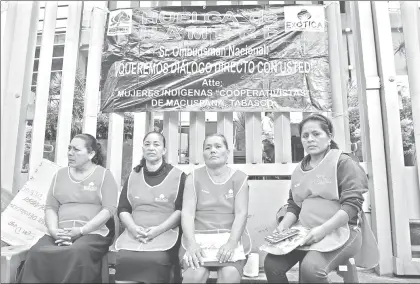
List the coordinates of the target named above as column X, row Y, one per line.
column 364, row 277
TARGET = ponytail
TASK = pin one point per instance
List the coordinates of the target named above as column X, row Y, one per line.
column 140, row 165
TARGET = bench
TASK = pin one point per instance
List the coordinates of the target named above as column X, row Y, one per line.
column 269, row 187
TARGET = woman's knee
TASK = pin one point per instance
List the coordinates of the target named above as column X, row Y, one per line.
column 312, row 272
column 199, row 275
column 228, row 274
column 273, row 264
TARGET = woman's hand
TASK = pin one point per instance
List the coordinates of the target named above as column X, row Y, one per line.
column 225, row 252
column 139, row 233
column 315, row 235
column 194, row 256
column 62, row 242
column 61, row 237
column 152, row 232
column 280, row 228
column 58, row 234
column 73, row 232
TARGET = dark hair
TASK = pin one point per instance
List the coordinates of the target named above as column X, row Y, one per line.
column 143, row 160
column 216, row 135
column 267, row 112
column 92, row 144
column 158, row 133
column 325, row 124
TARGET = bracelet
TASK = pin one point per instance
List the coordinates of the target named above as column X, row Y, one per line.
column 81, row 230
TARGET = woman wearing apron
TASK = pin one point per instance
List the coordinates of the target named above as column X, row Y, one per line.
column 215, row 202
column 326, row 196
column 78, row 214
column 150, row 210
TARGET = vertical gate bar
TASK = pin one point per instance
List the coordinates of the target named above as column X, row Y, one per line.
column 225, row 127
column 93, row 72
column 253, row 137
column 334, row 54
column 392, row 131
column 71, row 53
column 116, row 132
column 410, row 17
column 171, row 133
column 282, row 137
column 17, row 90
column 42, row 87
column 196, row 137
column 370, row 116
column 8, row 20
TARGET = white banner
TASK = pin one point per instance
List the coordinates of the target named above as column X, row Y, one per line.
column 23, row 219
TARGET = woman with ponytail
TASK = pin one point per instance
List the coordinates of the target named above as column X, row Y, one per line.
column 326, row 197
column 78, row 214
column 150, row 210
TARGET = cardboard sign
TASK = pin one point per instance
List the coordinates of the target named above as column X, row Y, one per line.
column 23, row 219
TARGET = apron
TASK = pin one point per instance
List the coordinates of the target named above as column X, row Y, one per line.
column 152, row 205
column 316, row 193
column 215, row 208
column 73, row 213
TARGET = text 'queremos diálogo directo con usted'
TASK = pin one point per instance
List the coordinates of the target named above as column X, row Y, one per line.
column 119, row 22
column 304, row 18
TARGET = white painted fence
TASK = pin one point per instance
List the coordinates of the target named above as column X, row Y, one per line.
column 367, row 35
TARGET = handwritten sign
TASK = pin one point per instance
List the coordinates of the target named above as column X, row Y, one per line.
column 23, row 219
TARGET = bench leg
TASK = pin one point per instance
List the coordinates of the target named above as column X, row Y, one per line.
column 349, row 272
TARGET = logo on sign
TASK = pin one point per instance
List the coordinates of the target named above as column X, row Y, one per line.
column 120, row 22
column 304, row 18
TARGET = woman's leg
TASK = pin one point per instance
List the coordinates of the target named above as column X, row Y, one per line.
column 39, row 264
column 143, row 266
column 84, row 259
column 228, row 274
column 199, row 275
column 276, row 266
column 316, row 265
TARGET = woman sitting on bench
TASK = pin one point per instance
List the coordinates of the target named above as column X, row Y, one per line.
column 215, row 208
column 78, row 213
column 150, row 210
column 326, row 196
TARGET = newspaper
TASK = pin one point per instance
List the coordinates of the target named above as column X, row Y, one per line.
column 211, row 243
column 286, row 246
